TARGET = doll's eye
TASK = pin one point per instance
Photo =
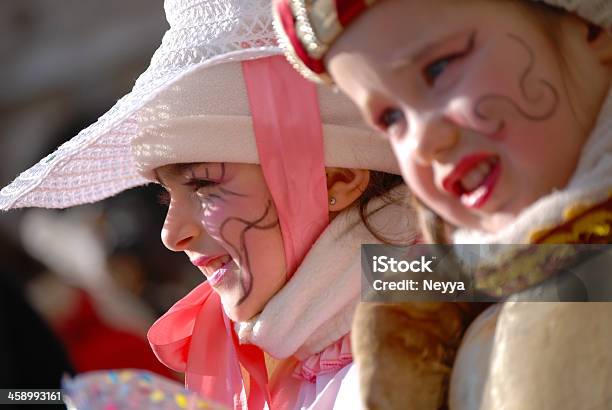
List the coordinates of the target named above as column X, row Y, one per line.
column 392, row 121
column 435, row 69
column 389, row 117
column 432, row 71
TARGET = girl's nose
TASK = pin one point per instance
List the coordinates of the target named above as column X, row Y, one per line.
column 433, row 138
column 179, row 229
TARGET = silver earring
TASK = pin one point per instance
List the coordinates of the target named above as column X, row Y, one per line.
column 332, row 201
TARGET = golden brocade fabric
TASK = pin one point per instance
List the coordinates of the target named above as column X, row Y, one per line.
column 583, row 224
column 526, row 266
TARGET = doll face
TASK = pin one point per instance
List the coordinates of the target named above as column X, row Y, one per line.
column 473, row 99
column 223, row 217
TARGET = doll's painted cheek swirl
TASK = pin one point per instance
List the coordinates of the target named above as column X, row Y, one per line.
column 539, row 102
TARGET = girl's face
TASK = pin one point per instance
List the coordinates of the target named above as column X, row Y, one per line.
column 474, row 100
column 223, row 218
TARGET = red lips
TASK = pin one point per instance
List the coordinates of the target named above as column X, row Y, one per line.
column 478, row 196
column 452, row 183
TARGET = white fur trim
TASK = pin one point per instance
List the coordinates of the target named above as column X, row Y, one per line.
column 597, row 11
column 316, row 307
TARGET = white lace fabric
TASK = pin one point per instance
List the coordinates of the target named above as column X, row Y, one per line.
column 98, row 163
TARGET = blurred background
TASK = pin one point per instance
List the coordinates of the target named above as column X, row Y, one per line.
column 78, row 287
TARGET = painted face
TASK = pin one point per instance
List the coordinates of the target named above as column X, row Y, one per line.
column 223, row 218
column 472, row 97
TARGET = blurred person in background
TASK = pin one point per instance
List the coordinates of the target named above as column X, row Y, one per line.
column 102, row 321
column 31, row 355
column 63, row 65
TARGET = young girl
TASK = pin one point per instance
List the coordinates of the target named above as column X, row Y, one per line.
column 235, row 215
column 270, row 196
column 500, row 116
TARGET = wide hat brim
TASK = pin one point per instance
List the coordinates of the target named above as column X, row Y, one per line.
column 206, row 116
column 97, row 163
column 194, row 73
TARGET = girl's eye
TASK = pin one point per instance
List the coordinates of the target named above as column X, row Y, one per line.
column 197, row 184
column 392, row 121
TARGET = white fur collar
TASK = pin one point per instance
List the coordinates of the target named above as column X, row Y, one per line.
column 315, row 308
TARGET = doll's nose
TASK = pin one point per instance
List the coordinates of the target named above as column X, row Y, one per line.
column 432, row 138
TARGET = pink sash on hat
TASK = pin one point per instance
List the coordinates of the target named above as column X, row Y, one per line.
column 195, row 336
column 289, row 137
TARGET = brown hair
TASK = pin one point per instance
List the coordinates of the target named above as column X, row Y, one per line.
column 381, row 186
column 433, row 228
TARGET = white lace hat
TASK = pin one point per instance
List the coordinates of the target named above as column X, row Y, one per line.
column 100, row 162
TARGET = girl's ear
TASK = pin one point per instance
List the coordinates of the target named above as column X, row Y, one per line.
column 600, row 41
column 345, row 186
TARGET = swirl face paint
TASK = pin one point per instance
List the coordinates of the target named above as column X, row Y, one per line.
column 473, row 97
column 223, row 218
column 541, row 98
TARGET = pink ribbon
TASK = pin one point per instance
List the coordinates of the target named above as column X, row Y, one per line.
column 195, row 336
column 289, row 137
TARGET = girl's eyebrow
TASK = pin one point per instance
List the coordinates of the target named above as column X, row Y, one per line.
column 421, row 52
column 179, row 170
column 175, row 170
column 182, row 169
column 211, row 169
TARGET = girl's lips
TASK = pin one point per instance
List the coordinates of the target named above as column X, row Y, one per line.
column 220, row 273
column 204, row 261
column 210, row 264
column 478, row 195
